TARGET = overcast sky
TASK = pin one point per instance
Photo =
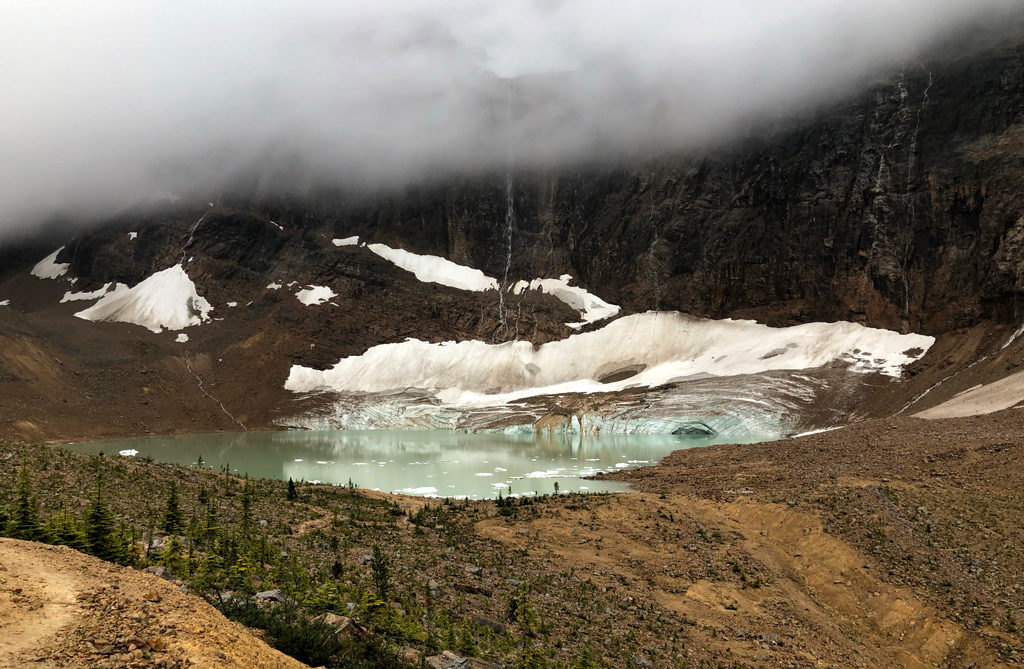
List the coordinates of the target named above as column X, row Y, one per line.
column 107, row 102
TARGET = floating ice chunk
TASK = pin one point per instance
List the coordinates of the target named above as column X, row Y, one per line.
column 545, row 474
column 484, row 474
column 132, row 236
column 167, row 299
column 273, row 286
column 182, row 338
column 434, row 269
column 315, row 295
column 347, row 241
column 423, row 490
column 49, row 268
column 621, row 465
column 591, row 307
column 90, row 295
column 128, row 452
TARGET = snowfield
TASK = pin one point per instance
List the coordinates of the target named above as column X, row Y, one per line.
column 434, row 269
column 49, row 268
column 643, row 350
column 167, row 299
column 315, row 295
column 591, row 307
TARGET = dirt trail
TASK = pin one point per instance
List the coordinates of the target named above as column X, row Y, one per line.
column 36, row 601
column 60, row 608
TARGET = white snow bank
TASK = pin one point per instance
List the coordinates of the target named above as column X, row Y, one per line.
column 591, row 307
column 167, row 299
column 347, row 241
column 89, row 295
column 315, row 295
column 49, row 268
column 434, row 269
column 989, row 398
column 640, row 350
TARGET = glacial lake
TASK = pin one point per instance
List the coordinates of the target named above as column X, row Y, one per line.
column 436, row 462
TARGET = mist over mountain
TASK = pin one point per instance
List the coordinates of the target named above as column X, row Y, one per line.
column 115, row 103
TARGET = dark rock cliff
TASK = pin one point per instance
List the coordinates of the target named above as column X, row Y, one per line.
column 901, row 208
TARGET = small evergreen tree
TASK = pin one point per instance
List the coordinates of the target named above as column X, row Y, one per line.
column 63, row 530
column 210, row 525
column 174, row 519
column 100, row 538
column 381, row 573
column 292, row 492
column 247, row 495
column 25, row 521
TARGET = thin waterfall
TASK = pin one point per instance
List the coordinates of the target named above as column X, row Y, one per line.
column 510, row 211
column 510, row 220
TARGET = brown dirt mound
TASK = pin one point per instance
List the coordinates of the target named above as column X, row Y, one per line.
column 60, row 608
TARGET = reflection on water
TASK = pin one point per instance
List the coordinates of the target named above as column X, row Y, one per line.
column 436, row 462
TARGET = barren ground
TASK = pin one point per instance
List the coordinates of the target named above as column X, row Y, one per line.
column 60, row 608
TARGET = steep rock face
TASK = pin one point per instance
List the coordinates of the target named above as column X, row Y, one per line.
column 901, row 209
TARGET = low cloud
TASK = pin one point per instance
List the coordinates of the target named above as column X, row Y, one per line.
column 109, row 103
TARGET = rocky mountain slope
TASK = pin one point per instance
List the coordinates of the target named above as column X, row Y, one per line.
column 899, row 209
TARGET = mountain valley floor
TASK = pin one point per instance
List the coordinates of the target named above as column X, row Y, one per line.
column 892, row 542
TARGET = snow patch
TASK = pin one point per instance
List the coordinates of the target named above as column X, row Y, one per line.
column 132, row 235
column 167, row 299
column 315, row 295
column 651, row 349
column 591, row 307
column 232, row 304
column 434, row 269
column 273, row 286
column 89, row 295
column 5, row 303
column 347, row 241
column 49, row 268
column 182, row 338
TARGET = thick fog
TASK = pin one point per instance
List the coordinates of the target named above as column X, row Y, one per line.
column 111, row 102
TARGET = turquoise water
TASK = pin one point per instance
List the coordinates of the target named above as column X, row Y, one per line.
column 442, row 463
